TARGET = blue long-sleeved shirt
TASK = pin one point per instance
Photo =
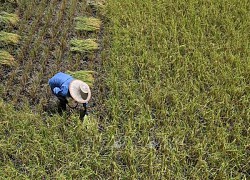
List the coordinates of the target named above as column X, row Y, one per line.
column 59, row 84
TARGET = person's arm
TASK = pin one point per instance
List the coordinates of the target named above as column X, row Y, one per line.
column 57, row 84
column 57, row 91
column 62, row 91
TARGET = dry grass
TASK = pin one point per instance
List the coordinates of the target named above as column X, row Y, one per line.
column 86, row 76
column 6, row 58
column 87, row 24
column 83, row 46
column 9, row 18
column 9, row 38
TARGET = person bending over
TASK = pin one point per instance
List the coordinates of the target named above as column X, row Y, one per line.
column 64, row 86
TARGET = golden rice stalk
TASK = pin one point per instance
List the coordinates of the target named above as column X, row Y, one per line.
column 96, row 3
column 87, row 24
column 86, row 45
column 8, row 18
column 6, row 58
column 9, row 38
column 85, row 76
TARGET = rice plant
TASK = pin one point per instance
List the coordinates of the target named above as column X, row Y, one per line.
column 87, row 24
column 96, row 3
column 86, row 76
column 6, row 58
column 8, row 18
column 9, row 38
column 177, row 98
column 82, row 46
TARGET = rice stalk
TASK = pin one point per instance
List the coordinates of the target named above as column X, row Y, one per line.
column 86, row 45
column 96, row 3
column 87, row 24
column 6, row 58
column 86, row 76
column 8, row 18
column 9, row 38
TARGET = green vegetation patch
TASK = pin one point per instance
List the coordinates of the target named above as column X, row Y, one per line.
column 9, row 38
column 9, row 18
column 178, row 75
column 6, row 58
column 86, row 45
column 87, row 24
column 86, row 76
column 177, row 107
column 58, row 147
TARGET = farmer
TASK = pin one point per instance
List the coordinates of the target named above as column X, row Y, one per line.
column 63, row 86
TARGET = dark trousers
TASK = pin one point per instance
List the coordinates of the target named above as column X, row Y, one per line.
column 62, row 104
column 83, row 112
column 62, row 107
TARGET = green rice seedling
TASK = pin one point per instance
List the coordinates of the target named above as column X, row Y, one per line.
column 82, row 46
column 9, row 18
column 86, row 76
column 9, row 38
column 87, row 24
column 6, row 58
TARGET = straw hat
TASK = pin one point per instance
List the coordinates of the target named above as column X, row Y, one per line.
column 79, row 91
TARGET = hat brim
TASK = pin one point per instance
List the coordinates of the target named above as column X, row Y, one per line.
column 75, row 91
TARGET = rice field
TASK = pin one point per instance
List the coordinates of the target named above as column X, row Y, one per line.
column 45, row 39
column 169, row 80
